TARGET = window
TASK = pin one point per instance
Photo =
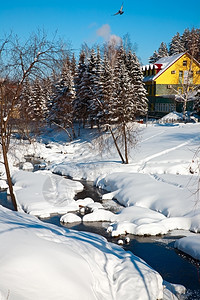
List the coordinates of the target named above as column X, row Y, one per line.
column 185, row 63
column 165, row 107
column 198, row 72
column 173, row 72
column 180, row 76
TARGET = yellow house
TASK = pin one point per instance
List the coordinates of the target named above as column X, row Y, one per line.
column 168, row 79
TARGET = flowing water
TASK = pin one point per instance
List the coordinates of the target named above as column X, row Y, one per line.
column 158, row 252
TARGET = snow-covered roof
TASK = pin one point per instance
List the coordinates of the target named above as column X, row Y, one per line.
column 163, row 63
column 149, row 67
column 166, row 62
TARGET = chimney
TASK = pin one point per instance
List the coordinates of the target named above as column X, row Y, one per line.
column 159, row 67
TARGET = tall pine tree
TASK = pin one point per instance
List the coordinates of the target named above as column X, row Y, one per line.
column 176, row 46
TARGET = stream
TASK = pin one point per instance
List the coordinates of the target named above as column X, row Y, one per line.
column 157, row 251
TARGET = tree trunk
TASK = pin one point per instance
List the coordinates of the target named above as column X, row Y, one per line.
column 118, row 150
column 9, row 181
column 73, row 131
column 65, row 129
column 125, row 144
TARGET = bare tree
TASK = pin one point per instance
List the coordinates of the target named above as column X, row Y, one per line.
column 20, row 61
column 186, row 83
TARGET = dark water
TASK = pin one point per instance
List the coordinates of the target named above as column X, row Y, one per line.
column 158, row 252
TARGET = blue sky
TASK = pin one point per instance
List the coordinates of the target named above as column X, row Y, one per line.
column 148, row 22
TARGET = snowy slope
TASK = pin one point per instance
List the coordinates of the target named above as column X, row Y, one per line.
column 40, row 261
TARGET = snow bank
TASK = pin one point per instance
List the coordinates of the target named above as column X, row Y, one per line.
column 154, row 204
column 70, row 218
column 42, row 261
column 158, row 187
column 43, row 193
column 190, row 245
column 172, row 116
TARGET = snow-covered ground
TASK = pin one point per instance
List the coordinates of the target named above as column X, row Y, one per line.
column 158, row 189
column 40, row 261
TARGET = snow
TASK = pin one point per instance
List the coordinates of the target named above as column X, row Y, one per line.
column 70, row 218
column 189, row 245
column 173, row 116
column 42, row 261
column 3, row 184
column 167, row 62
column 157, row 192
column 27, row 166
column 158, row 187
column 43, row 193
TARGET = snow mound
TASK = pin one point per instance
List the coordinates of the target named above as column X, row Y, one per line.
column 43, row 193
column 70, row 218
column 42, row 261
column 189, row 245
column 172, row 116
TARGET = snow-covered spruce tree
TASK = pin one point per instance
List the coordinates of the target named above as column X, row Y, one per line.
column 107, row 81
column 47, row 88
column 162, row 50
column 81, row 103
column 53, row 79
column 26, row 112
column 91, row 88
column 73, row 66
column 62, row 107
column 193, row 43
column 154, row 57
column 38, row 104
column 184, row 38
column 176, row 45
column 139, row 92
column 123, row 109
column 98, row 87
column 196, row 106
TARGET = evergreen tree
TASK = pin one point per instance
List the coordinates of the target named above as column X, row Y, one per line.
column 136, row 77
column 62, row 108
column 162, row 50
column 26, row 111
column 193, row 43
column 176, row 46
column 73, row 66
column 196, row 106
column 81, row 101
column 98, row 85
column 153, row 58
column 185, row 38
column 123, row 108
column 91, row 87
column 38, row 102
column 26, row 101
column 47, row 87
column 107, row 87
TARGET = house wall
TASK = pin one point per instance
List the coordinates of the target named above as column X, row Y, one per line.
column 168, row 89
column 161, row 91
column 159, row 106
column 168, row 78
